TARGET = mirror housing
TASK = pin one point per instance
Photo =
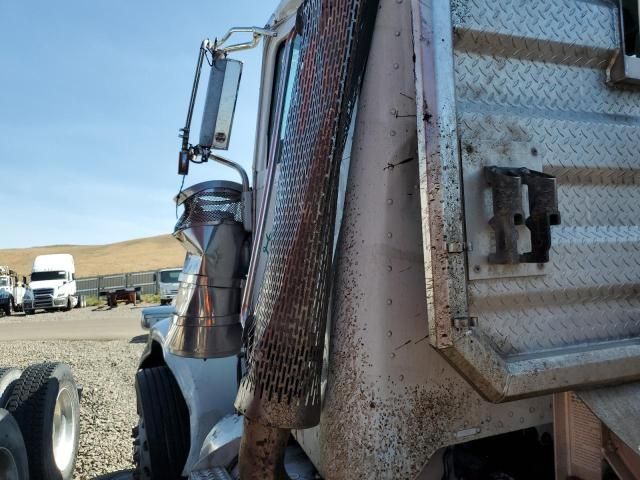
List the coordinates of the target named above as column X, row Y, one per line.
column 220, row 103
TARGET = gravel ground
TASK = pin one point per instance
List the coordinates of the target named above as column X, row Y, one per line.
column 108, row 409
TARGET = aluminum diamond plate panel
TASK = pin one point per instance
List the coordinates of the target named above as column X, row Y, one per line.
column 533, row 75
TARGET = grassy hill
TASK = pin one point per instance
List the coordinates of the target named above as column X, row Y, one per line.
column 131, row 256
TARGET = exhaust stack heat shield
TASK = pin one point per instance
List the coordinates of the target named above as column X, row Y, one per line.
column 286, row 336
column 207, row 319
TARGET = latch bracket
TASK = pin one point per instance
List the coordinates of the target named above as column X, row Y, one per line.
column 506, row 185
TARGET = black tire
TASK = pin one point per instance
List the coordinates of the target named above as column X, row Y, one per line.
column 7, row 307
column 162, row 451
column 13, row 453
column 32, row 403
column 8, row 379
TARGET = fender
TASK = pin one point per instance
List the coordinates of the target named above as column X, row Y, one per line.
column 208, row 386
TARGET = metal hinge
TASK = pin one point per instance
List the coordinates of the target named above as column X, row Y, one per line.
column 459, row 247
column 465, row 323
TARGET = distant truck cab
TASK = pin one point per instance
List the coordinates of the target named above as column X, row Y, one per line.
column 12, row 291
column 53, row 284
column 168, row 284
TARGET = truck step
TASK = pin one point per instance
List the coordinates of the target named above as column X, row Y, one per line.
column 214, row 473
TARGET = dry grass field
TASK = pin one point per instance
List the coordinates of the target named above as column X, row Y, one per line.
column 131, row 256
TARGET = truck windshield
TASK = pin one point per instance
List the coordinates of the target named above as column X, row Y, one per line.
column 170, row 276
column 39, row 276
column 4, row 282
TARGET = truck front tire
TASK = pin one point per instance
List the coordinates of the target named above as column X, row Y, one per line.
column 46, row 406
column 161, row 439
column 14, row 463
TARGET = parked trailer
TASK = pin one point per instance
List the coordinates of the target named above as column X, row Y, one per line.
column 444, row 269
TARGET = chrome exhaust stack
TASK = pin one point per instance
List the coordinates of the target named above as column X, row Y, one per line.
column 207, row 319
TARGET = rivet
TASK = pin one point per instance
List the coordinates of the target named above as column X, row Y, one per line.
column 389, row 333
column 477, row 268
column 401, row 378
column 532, row 409
column 392, row 133
column 393, row 355
column 521, row 419
column 397, row 33
column 389, row 268
column 396, row 66
column 389, row 235
column 389, row 301
column 394, row 111
column 389, row 201
column 398, row 1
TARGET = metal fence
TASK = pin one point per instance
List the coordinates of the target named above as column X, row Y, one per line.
column 147, row 281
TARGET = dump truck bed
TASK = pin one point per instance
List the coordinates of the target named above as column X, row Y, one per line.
column 518, row 84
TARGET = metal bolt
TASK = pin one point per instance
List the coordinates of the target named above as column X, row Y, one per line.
column 477, row 269
column 396, row 66
column 397, row 33
column 389, row 333
column 389, row 235
column 389, row 301
column 393, row 355
column 389, row 201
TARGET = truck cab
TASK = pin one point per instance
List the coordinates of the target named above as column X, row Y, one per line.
column 444, row 259
column 53, row 284
column 12, row 291
column 168, row 284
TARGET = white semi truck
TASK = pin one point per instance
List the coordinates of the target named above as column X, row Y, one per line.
column 12, row 291
column 52, row 285
column 445, row 259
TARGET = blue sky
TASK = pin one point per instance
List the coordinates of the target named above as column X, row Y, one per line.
column 92, row 94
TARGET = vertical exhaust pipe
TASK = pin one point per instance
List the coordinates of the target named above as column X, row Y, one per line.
column 281, row 390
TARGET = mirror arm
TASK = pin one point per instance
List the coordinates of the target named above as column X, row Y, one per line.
column 236, row 166
column 247, row 194
column 257, row 32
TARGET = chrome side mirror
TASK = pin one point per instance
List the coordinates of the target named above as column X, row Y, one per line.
column 220, row 103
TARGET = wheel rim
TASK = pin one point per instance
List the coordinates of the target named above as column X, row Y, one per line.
column 64, row 429
column 8, row 467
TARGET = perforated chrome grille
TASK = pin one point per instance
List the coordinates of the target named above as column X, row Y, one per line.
column 282, row 387
column 211, row 206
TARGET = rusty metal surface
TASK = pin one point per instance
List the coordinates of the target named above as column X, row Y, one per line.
column 391, row 400
column 282, row 386
column 262, row 451
column 531, row 75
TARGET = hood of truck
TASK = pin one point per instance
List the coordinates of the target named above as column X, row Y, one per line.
column 46, row 284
